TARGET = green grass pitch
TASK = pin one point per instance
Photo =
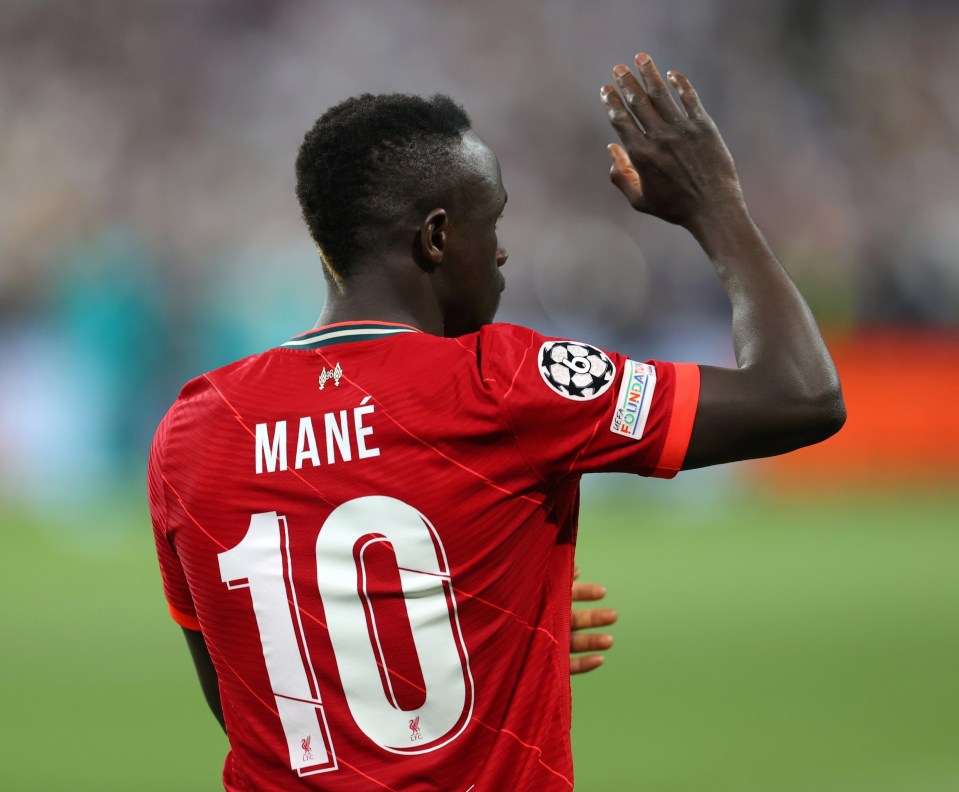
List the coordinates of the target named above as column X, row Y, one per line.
column 800, row 646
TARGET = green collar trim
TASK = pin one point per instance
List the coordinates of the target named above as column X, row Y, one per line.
column 344, row 332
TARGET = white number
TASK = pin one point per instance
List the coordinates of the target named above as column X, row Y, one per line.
column 261, row 561
column 424, row 575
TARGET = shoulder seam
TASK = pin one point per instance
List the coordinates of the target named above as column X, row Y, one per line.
column 509, row 421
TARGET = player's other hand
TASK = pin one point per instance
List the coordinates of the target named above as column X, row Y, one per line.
column 673, row 162
column 584, row 618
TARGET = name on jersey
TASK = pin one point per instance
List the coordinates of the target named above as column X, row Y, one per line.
column 634, row 400
column 343, row 435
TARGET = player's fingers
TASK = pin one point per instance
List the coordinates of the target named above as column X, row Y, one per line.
column 656, row 89
column 621, row 118
column 623, row 174
column 575, row 572
column 588, row 592
column 584, row 664
column 636, row 98
column 593, row 617
column 590, row 642
column 688, row 96
column 623, row 166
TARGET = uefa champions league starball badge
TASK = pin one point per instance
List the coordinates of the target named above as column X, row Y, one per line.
column 575, row 371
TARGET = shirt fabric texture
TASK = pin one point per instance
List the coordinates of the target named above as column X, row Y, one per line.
column 374, row 529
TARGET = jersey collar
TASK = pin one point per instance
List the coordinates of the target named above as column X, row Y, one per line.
column 346, row 331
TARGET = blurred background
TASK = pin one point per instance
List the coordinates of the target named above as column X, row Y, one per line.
column 788, row 624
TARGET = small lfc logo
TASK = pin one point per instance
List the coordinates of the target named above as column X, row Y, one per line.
column 307, row 751
column 415, row 729
column 334, row 374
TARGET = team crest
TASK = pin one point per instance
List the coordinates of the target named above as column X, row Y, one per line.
column 576, row 371
column 415, row 733
column 334, row 374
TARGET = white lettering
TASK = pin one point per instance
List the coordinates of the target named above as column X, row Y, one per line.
column 340, row 433
column 363, row 431
column 306, row 444
column 274, row 445
column 268, row 452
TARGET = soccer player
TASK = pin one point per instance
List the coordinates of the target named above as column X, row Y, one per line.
column 369, row 530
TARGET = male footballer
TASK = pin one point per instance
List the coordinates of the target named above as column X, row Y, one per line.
column 367, row 532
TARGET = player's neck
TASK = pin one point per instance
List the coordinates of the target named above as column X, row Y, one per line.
column 375, row 294
column 336, row 312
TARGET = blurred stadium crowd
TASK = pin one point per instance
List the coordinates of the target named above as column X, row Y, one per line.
column 149, row 231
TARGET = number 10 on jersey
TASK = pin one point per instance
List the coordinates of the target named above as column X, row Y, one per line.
column 262, row 562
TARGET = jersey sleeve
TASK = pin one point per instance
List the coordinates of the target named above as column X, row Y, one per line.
column 574, row 408
column 175, row 588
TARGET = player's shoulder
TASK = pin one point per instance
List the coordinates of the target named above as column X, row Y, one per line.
column 505, row 331
column 505, row 339
column 205, row 385
column 203, row 396
column 510, row 335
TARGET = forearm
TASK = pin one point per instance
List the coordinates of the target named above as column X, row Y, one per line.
column 785, row 392
column 206, row 672
column 775, row 334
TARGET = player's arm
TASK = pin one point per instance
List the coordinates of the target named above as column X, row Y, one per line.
column 206, row 672
column 583, row 619
column 674, row 164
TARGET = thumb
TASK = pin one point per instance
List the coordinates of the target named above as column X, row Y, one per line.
column 625, row 177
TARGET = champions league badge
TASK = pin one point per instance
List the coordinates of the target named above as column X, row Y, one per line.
column 575, row 371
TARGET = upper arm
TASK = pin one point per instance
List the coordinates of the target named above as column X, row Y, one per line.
column 573, row 408
column 175, row 586
column 744, row 414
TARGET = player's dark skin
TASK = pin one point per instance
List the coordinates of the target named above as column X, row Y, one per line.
column 439, row 272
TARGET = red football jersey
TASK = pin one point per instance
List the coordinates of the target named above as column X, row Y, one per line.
column 374, row 529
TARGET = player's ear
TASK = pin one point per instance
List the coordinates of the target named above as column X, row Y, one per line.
column 431, row 239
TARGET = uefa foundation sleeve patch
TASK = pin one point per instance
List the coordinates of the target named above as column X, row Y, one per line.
column 634, row 400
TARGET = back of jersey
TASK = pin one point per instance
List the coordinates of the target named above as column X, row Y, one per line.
column 378, row 574
column 374, row 529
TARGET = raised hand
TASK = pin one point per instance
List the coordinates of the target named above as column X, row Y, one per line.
column 584, row 618
column 673, row 162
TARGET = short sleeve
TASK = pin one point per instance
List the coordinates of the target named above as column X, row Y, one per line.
column 574, row 408
column 175, row 588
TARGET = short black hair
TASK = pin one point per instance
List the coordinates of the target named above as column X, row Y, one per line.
column 367, row 162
